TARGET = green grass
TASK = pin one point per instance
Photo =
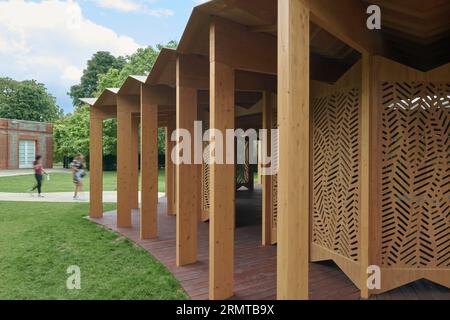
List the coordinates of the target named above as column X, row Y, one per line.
column 62, row 182
column 38, row 242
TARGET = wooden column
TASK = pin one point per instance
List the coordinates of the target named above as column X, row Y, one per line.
column 266, row 179
column 188, row 199
column 135, row 163
column 96, row 164
column 149, row 165
column 369, row 173
column 124, row 161
column 170, row 167
column 222, row 183
column 294, row 162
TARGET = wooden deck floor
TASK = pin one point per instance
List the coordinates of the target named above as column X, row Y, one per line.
column 255, row 265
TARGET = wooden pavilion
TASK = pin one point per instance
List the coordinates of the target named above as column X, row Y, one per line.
column 364, row 122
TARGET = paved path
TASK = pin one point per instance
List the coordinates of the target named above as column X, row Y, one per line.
column 24, row 172
column 108, row 197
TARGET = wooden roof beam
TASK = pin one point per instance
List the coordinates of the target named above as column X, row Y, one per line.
column 132, row 85
column 195, row 71
column 267, row 28
column 232, row 40
column 161, row 95
column 163, row 71
column 196, row 75
column 346, row 20
column 133, row 102
column 253, row 12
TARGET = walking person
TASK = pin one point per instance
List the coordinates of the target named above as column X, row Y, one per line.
column 38, row 173
column 78, row 175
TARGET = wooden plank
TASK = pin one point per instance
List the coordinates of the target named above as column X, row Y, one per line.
column 170, row 167
column 124, row 149
column 195, row 72
column 255, row 265
column 135, row 162
column 336, row 173
column 267, row 179
column 222, row 183
column 368, row 208
column 388, row 245
column 188, row 199
column 96, row 163
column 149, row 165
column 260, row 49
column 346, row 20
column 293, row 178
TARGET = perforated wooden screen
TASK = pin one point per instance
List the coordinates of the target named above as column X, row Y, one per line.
column 205, row 181
column 244, row 172
column 336, row 172
column 415, row 182
column 274, row 184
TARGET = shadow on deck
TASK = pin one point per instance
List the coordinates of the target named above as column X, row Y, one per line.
column 255, row 265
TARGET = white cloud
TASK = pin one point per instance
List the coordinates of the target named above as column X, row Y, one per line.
column 51, row 40
column 139, row 6
column 120, row 5
column 72, row 74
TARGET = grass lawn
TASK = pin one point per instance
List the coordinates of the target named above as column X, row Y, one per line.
column 38, row 242
column 62, row 182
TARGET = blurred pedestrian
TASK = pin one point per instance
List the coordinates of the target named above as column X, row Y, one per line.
column 78, row 175
column 38, row 174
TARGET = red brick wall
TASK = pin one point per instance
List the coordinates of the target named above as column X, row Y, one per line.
column 3, row 150
column 22, row 130
column 3, row 124
column 49, row 152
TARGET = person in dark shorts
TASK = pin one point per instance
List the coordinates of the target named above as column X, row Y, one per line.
column 38, row 174
column 78, row 175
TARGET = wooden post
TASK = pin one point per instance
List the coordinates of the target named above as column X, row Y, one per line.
column 222, row 183
column 124, row 165
column 266, row 179
column 149, row 165
column 293, row 178
column 188, row 199
column 96, row 164
column 135, row 163
column 369, row 190
column 170, row 167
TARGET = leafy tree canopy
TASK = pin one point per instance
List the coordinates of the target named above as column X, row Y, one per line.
column 138, row 64
column 99, row 64
column 72, row 133
column 27, row 100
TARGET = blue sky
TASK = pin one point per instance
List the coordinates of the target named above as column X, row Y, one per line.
column 51, row 40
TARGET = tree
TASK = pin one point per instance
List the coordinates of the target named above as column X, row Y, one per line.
column 139, row 64
column 171, row 45
column 99, row 64
column 71, row 134
column 27, row 100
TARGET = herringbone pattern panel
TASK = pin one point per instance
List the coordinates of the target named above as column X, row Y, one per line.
column 275, row 157
column 205, row 177
column 336, row 156
column 415, row 182
column 243, row 170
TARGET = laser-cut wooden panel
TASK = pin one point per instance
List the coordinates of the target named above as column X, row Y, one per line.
column 415, row 174
column 336, row 178
column 242, row 170
column 205, row 182
column 274, row 184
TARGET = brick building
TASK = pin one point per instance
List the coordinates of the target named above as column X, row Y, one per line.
column 21, row 141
